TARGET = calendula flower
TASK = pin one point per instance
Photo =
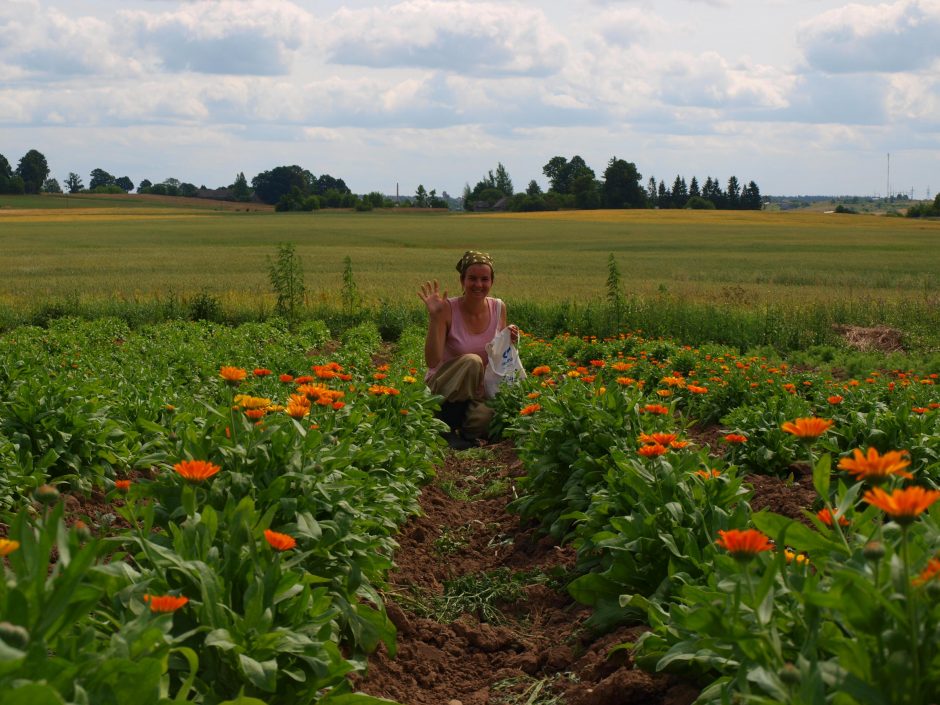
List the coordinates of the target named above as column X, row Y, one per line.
column 533, row 395
column 744, row 545
column 165, row 603
column 286, row 378
column 708, row 474
column 297, row 409
column 597, row 363
column 409, row 379
column 530, row 409
column 7, row 546
column 735, row 438
column 876, row 468
column 122, row 485
column 695, row 389
column 232, row 375
column 337, row 405
column 278, row 541
column 255, row 414
column 663, row 439
column 380, row 390
column 929, row 573
column 664, row 393
column 807, row 428
column 835, row 399
column 261, row 372
column 656, row 409
column 652, row 451
column 196, row 470
column 825, row 516
column 902, row 505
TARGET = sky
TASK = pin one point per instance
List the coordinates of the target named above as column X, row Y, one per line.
column 801, row 96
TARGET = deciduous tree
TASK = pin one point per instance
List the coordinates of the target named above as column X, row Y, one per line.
column 74, row 182
column 34, row 170
column 621, row 187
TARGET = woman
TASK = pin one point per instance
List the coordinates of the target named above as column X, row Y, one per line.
column 455, row 348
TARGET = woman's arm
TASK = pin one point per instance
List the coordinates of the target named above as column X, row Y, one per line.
column 438, row 322
column 513, row 330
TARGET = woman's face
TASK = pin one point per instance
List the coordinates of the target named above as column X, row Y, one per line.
column 477, row 280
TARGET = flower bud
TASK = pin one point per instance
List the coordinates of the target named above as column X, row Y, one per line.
column 874, row 551
column 14, row 635
column 789, row 674
column 81, row 529
column 46, row 494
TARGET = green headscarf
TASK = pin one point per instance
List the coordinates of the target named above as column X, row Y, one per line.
column 471, row 257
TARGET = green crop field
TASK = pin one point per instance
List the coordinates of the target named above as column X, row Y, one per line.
column 739, row 257
column 124, row 249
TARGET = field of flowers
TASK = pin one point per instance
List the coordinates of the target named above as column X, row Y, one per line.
column 192, row 512
column 637, row 453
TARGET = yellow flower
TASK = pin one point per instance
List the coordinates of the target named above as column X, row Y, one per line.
column 7, row 546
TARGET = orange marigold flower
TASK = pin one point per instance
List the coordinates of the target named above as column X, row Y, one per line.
column 695, row 389
column 409, row 379
column 735, row 438
column 588, row 378
column 286, row 377
column 902, row 505
column 337, row 405
column 379, row 390
column 929, row 573
column 379, row 376
column 303, row 379
column 254, row 414
column 597, row 363
column 404, row 412
column 232, row 375
column 261, row 372
column 652, row 451
column 678, row 445
column 919, row 409
column 196, row 470
column 541, row 370
column 657, row 409
column 744, row 545
column 297, row 410
column 625, row 381
column 664, row 393
column 811, row 427
column 835, row 399
column 663, row 439
column 530, row 409
column 7, row 546
column 708, row 474
column 122, row 485
column 825, row 516
column 874, row 467
column 533, row 395
column 278, row 541
column 621, row 366
column 165, row 603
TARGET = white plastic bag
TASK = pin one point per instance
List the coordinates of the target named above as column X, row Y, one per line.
column 503, row 366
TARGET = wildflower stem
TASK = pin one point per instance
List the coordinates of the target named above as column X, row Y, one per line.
column 911, row 617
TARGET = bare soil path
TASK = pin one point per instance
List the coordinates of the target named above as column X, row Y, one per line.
column 481, row 610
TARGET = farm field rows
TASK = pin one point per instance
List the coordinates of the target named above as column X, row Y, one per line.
column 219, row 506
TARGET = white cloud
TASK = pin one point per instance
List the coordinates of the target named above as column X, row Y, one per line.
column 626, row 26
column 254, row 37
column 474, row 38
column 900, row 36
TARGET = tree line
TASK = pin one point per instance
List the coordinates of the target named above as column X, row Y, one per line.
column 572, row 184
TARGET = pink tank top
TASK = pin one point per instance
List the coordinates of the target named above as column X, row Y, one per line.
column 460, row 340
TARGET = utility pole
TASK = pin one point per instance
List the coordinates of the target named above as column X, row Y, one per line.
column 888, row 179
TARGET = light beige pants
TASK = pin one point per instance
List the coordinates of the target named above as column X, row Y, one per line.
column 461, row 379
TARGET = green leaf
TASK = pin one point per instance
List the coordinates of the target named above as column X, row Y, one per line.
column 789, row 532
column 33, row 694
column 822, row 474
column 262, row 674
